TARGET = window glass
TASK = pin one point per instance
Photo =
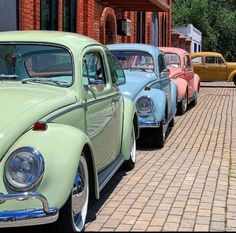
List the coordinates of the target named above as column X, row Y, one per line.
column 172, row 59
column 117, row 73
column 49, row 15
column 187, row 62
column 211, row 60
column 37, row 63
column 220, row 60
column 197, row 60
column 134, row 60
column 161, row 63
column 93, row 70
column 69, row 15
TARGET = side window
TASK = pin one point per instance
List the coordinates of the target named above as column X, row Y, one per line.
column 93, row 70
column 211, row 60
column 197, row 60
column 187, row 62
column 220, row 60
column 116, row 71
column 161, row 63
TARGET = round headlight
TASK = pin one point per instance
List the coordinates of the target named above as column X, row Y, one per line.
column 24, row 169
column 144, row 105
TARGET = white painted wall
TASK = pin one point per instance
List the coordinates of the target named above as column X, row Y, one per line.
column 192, row 32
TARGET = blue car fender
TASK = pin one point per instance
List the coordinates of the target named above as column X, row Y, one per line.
column 174, row 98
column 159, row 100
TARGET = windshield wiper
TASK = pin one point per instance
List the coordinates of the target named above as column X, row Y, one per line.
column 8, row 76
column 43, row 80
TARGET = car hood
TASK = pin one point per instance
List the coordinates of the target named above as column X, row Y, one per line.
column 135, row 82
column 22, row 105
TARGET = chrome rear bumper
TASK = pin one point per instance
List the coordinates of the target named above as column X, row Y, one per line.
column 26, row 217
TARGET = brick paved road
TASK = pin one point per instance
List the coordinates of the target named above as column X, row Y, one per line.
column 189, row 185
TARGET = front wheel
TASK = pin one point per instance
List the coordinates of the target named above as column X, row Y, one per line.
column 159, row 137
column 129, row 164
column 73, row 214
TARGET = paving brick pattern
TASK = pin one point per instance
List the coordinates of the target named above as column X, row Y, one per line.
column 189, row 185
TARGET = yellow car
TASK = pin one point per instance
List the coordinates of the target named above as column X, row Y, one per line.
column 211, row 66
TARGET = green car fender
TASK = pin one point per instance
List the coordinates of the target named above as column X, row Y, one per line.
column 130, row 121
column 61, row 147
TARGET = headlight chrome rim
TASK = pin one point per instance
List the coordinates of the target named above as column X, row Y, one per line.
column 36, row 176
column 148, row 109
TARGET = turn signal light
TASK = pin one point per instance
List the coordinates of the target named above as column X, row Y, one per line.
column 147, row 88
column 40, row 126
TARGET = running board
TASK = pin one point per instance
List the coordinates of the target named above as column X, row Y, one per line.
column 105, row 175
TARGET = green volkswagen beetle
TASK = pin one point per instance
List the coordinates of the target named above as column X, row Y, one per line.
column 64, row 127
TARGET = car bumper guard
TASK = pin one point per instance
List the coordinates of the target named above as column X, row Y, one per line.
column 26, row 217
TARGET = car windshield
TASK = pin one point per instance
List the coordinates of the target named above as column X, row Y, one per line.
column 172, row 59
column 44, row 64
column 135, row 60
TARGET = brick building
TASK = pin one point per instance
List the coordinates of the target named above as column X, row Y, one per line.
column 108, row 21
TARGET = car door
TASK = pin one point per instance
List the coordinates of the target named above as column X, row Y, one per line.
column 165, row 81
column 214, row 70
column 222, row 71
column 188, row 74
column 100, row 112
column 199, row 67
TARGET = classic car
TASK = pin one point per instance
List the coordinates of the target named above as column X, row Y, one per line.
column 65, row 128
column 211, row 66
column 149, row 87
column 181, row 72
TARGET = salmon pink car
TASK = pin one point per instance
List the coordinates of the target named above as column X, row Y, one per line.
column 182, row 73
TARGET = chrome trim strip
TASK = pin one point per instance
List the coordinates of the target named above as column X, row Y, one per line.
column 78, row 106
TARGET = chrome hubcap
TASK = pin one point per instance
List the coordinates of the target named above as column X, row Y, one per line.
column 133, row 150
column 80, row 196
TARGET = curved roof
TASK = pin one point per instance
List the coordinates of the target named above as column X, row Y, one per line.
column 62, row 38
column 179, row 51
column 202, row 54
column 134, row 46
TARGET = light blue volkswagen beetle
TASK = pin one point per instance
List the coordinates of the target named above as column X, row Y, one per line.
column 149, row 86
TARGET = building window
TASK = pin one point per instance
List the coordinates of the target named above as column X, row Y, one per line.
column 199, row 48
column 69, row 15
column 49, row 15
column 164, row 31
column 195, row 47
column 141, row 23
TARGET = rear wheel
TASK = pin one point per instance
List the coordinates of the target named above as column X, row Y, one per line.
column 234, row 80
column 73, row 214
column 183, row 105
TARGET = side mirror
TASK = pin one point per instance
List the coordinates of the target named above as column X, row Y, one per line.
column 165, row 73
column 189, row 68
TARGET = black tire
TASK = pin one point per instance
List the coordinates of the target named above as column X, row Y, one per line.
column 68, row 221
column 234, row 80
column 130, row 164
column 194, row 102
column 172, row 122
column 158, row 137
column 183, row 105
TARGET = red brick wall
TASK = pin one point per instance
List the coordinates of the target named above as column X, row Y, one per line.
column 89, row 20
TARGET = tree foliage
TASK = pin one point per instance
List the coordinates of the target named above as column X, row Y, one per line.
column 216, row 19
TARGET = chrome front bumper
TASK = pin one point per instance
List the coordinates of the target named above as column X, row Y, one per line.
column 148, row 122
column 26, row 217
